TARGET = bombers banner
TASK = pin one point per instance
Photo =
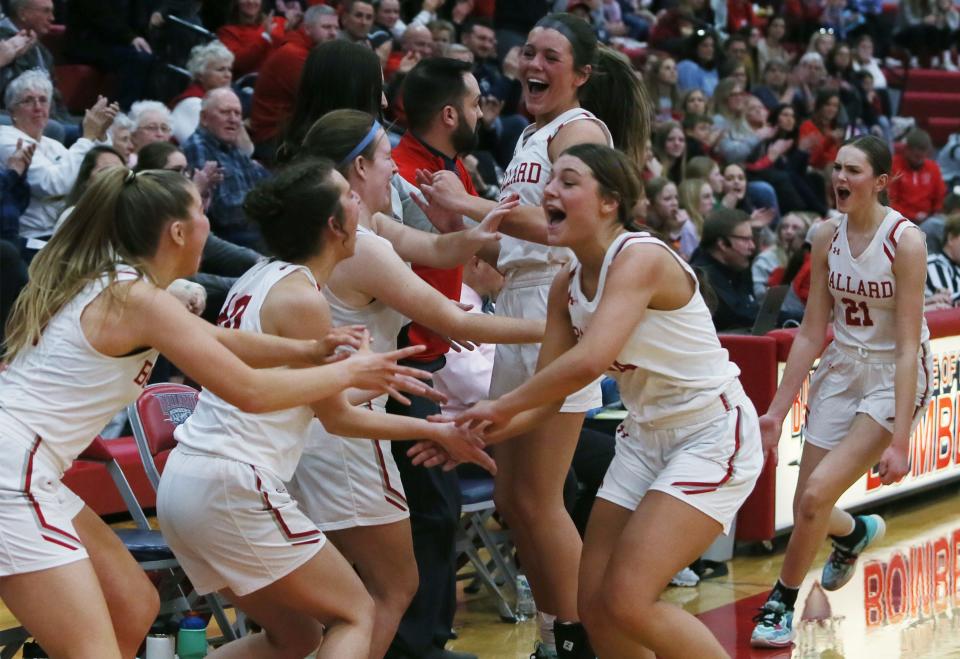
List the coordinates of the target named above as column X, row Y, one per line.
column 934, row 447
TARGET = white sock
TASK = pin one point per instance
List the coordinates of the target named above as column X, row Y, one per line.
column 545, row 622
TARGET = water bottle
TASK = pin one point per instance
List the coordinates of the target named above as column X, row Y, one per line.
column 160, row 643
column 192, row 637
column 526, row 608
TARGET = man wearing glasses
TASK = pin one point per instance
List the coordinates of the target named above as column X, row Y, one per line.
column 726, row 249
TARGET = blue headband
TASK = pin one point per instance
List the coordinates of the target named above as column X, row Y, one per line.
column 364, row 143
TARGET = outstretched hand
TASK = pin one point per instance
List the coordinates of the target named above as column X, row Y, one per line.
column 489, row 226
column 346, row 336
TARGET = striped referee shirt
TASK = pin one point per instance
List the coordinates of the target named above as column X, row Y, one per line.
column 943, row 274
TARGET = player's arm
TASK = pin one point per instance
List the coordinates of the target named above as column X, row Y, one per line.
column 266, row 351
column 809, row 340
column 397, row 286
column 524, row 222
column 910, row 275
column 155, row 318
column 444, row 250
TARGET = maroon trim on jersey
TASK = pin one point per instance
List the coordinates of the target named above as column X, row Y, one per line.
column 580, row 117
column 41, row 520
column 892, row 235
column 886, row 250
column 308, row 537
column 392, row 496
column 705, row 487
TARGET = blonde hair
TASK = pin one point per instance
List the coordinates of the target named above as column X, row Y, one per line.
column 689, row 193
column 120, row 218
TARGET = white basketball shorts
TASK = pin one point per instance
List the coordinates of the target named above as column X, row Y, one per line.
column 36, row 508
column 342, row 483
column 231, row 524
column 847, row 383
column 525, row 296
column 709, row 459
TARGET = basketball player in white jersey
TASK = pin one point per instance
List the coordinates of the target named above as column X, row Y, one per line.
column 249, row 540
column 81, row 343
column 578, row 93
column 871, row 386
column 352, row 490
column 688, row 453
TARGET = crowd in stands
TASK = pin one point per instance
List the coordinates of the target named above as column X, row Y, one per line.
column 751, row 101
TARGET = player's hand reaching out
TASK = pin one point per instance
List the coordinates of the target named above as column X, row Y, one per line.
column 894, row 464
column 441, row 189
column 487, row 229
column 348, row 336
column 484, row 416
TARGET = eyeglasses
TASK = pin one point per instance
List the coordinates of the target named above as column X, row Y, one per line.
column 34, row 100
column 156, row 128
column 825, row 30
column 736, row 237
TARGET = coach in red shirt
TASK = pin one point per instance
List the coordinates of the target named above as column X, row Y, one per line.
column 276, row 87
column 442, row 101
column 916, row 187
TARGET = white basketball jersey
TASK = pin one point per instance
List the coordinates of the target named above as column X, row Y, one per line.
column 673, row 362
column 273, row 440
column 527, row 175
column 864, row 288
column 65, row 391
column 383, row 323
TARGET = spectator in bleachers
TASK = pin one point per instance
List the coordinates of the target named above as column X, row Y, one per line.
column 791, row 233
column 943, row 268
column 771, row 47
column 663, row 90
column 152, row 122
column 809, row 76
column 218, row 139
column 737, row 57
column 949, row 160
column 324, row 87
column 120, row 136
column 443, row 33
column 54, row 168
column 841, row 18
column 386, row 17
column 927, row 28
column 724, row 256
column 15, row 193
column 699, row 70
column 693, row 101
column 696, row 198
column 916, row 185
column 809, row 185
column 775, row 88
column 707, row 169
column 676, row 23
column 416, row 44
column 276, row 87
column 670, row 146
column 251, row 33
column 211, row 66
column 356, row 20
column 737, row 139
column 700, row 133
column 666, row 217
column 824, row 130
column 29, row 21
column 822, row 42
column 873, row 108
column 863, row 60
column 109, row 35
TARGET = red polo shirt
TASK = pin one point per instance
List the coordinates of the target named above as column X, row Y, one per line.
column 914, row 191
column 276, row 88
column 410, row 155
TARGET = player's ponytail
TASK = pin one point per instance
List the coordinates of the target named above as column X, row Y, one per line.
column 615, row 94
column 119, row 218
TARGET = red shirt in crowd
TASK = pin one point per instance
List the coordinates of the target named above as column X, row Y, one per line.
column 276, row 88
column 916, row 192
column 249, row 45
column 824, row 150
column 410, row 155
column 194, row 90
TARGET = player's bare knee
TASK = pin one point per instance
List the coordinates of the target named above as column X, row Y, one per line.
column 813, row 502
column 295, row 644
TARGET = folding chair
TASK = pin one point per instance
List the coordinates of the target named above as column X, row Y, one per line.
column 499, row 572
column 153, row 417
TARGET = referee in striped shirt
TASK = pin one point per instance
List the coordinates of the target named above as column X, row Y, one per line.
column 943, row 269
